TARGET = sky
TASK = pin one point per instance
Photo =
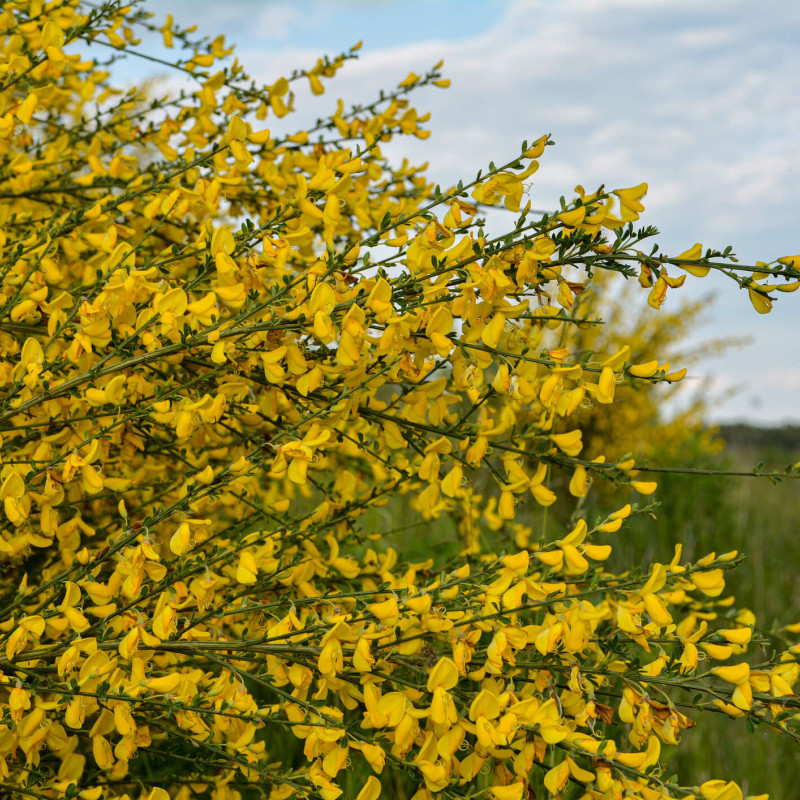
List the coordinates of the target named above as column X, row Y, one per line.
column 696, row 97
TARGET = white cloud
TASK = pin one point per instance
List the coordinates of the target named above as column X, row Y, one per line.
column 267, row 21
column 705, row 38
column 783, row 379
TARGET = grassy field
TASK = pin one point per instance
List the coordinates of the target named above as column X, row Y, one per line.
column 761, row 521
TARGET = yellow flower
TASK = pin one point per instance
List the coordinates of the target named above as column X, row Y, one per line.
column 512, row 791
column 444, row 675
column 630, row 207
column 294, row 457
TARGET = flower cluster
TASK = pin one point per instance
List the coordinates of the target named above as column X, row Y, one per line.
column 221, row 350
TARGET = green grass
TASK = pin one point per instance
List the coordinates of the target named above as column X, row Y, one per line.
column 761, row 521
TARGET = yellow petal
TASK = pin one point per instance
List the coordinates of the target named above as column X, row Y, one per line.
column 694, row 253
column 557, row 777
column 158, row 794
column 736, row 635
column 371, row 789
column 444, row 675
column 247, row 571
column 218, row 353
column 578, row 483
column 166, row 684
column 513, row 791
column 385, row 611
column 517, row 563
column 646, row 370
column 761, row 302
column 734, row 673
column 711, row 582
